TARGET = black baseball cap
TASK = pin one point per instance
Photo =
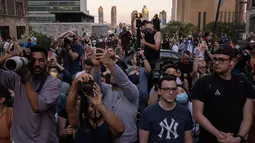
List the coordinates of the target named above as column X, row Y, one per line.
column 225, row 50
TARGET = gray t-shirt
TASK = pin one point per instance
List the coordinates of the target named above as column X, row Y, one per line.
column 27, row 126
column 123, row 102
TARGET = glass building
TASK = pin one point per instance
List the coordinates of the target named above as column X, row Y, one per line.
column 42, row 10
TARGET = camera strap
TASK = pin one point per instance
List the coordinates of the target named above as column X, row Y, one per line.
column 44, row 78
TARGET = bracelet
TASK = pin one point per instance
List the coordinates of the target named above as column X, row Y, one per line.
column 143, row 58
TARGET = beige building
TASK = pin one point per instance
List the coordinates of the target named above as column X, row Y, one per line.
column 100, row 15
column 190, row 11
column 114, row 16
column 14, row 19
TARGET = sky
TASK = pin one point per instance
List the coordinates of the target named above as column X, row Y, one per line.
column 125, row 8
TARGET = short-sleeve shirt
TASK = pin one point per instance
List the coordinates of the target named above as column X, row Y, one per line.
column 223, row 102
column 166, row 126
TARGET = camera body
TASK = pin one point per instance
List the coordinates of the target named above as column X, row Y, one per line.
column 160, row 68
column 16, row 63
column 87, row 88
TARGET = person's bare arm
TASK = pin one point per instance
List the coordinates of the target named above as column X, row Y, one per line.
column 116, row 125
column 195, row 63
column 147, row 65
column 153, row 98
column 188, row 137
column 62, row 124
column 198, row 108
column 157, row 45
column 73, row 55
column 72, row 111
column 143, row 136
column 247, row 118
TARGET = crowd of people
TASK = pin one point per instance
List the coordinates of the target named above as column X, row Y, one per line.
column 99, row 90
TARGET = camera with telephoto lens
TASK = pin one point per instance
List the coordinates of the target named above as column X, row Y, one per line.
column 160, row 68
column 87, row 88
column 16, row 63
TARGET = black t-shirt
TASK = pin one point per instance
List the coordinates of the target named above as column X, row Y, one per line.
column 166, row 126
column 101, row 134
column 151, row 55
column 69, row 138
column 223, row 103
column 122, row 64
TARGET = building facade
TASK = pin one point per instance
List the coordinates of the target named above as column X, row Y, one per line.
column 200, row 12
column 13, row 19
column 145, row 12
column 250, row 16
column 40, row 10
column 114, row 16
column 163, row 17
column 100, row 15
column 174, row 10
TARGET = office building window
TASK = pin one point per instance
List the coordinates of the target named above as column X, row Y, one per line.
column 252, row 24
column 10, row 7
column 233, row 16
column 20, row 32
column 253, row 3
column 225, row 17
column 19, row 9
column 221, row 15
column 2, row 7
column 229, row 16
column 4, row 32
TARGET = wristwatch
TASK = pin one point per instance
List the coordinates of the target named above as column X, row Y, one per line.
column 241, row 137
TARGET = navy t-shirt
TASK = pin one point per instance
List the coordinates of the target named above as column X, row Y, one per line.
column 166, row 126
column 75, row 66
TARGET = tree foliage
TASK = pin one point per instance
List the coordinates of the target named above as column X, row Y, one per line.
column 42, row 40
column 230, row 29
column 184, row 29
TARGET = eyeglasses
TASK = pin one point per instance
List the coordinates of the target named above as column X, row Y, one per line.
column 220, row 60
column 166, row 89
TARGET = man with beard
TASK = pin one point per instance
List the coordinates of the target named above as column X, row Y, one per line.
column 223, row 102
column 152, row 43
column 118, row 61
column 36, row 99
column 94, row 121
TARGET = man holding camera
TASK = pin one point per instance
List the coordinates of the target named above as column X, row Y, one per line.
column 122, row 96
column 94, row 121
column 36, row 99
column 151, row 42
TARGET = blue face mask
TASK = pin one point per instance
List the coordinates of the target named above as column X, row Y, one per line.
column 182, row 98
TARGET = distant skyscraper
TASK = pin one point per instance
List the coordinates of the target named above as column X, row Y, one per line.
column 133, row 15
column 100, row 15
column 174, row 10
column 114, row 16
column 145, row 12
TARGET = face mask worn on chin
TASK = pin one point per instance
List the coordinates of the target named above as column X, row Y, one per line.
column 134, row 79
column 54, row 74
column 182, row 98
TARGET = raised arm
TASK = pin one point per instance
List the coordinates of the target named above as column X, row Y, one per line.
column 127, row 87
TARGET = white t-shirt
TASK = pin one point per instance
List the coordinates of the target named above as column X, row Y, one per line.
column 175, row 48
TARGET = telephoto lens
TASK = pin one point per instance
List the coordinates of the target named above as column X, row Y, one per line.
column 15, row 63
